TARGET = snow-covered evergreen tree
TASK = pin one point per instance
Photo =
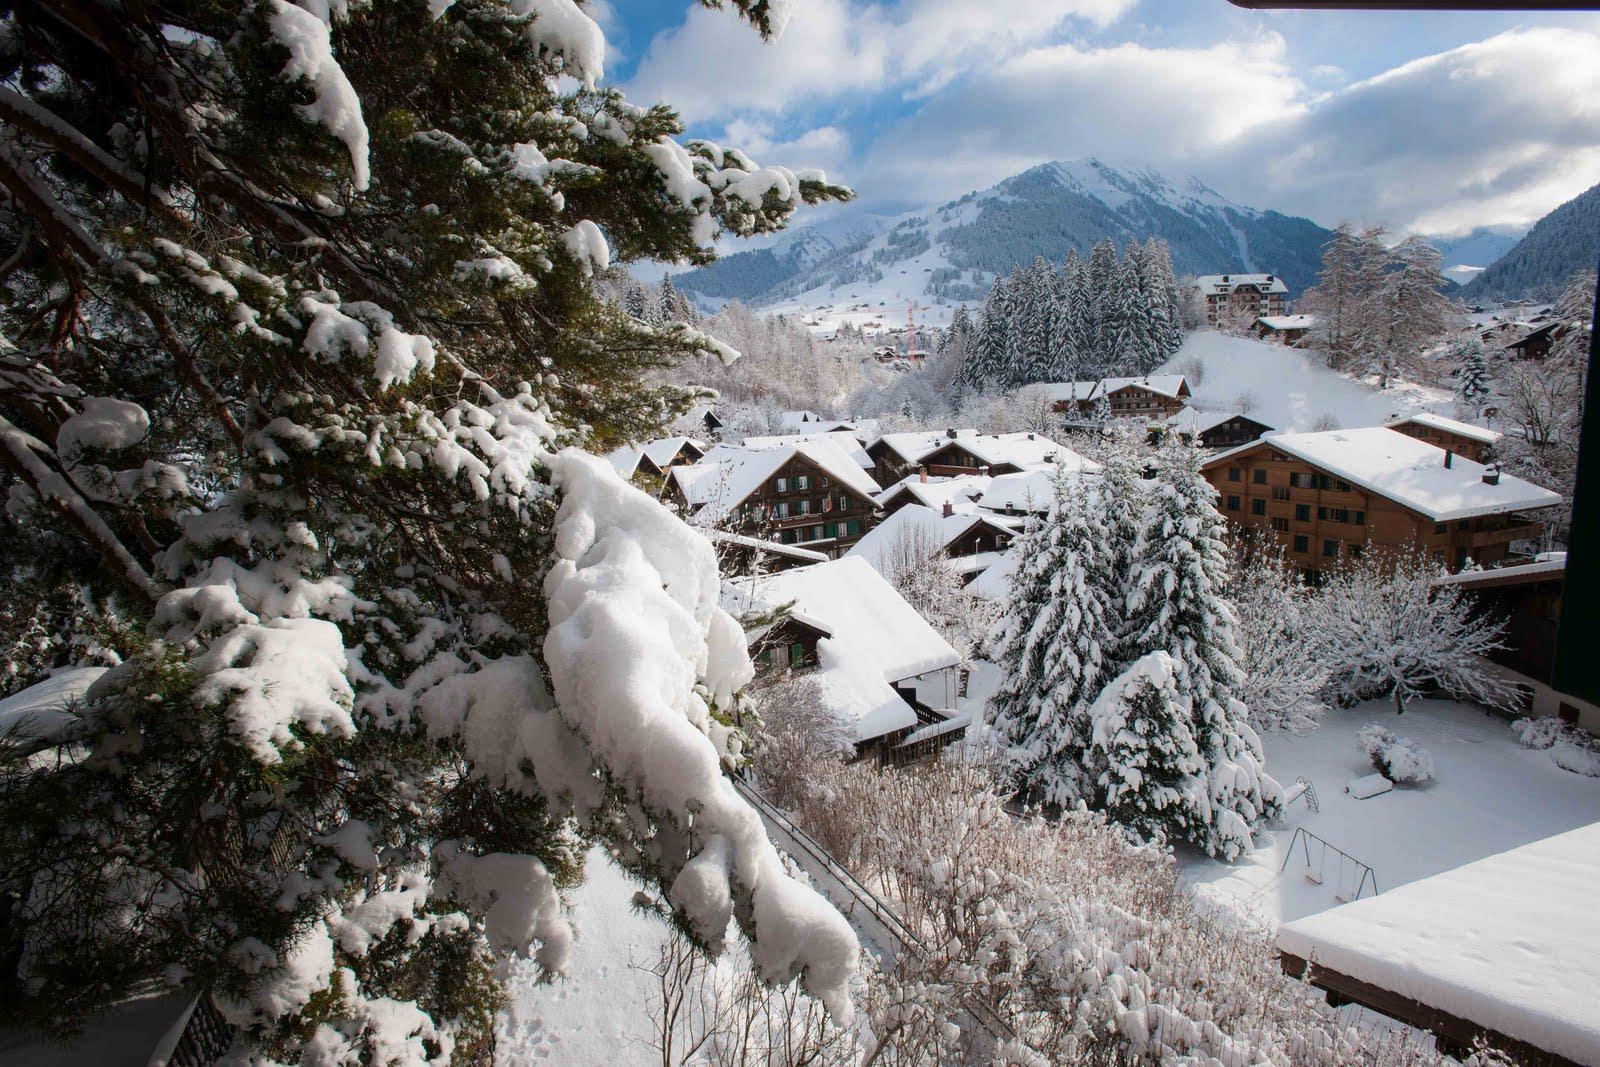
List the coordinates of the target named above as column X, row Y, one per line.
column 1149, row 773
column 1100, row 296
column 1054, row 645
column 1176, row 605
column 985, row 367
column 1473, row 379
column 1067, row 324
column 300, row 334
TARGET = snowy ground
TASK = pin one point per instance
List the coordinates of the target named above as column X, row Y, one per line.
column 1291, row 389
column 1489, row 794
column 600, row 1012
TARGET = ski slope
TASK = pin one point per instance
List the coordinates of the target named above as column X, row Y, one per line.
column 1291, row 389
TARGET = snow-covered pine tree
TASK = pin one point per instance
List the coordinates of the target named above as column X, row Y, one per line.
column 1054, row 646
column 1148, row 772
column 1124, row 505
column 1168, row 317
column 1472, row 374
column 1176, row 604
column 300, row 318
column 1037, row 323
column 984, row 370
column 1138, row 344
column 1066, row 324
column 672, row 305
column 1100, row 296
column 1022, row 301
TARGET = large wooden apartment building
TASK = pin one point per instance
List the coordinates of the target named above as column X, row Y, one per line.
column 1335, row 495
column 1248, row 296
column 810, row 493
column 1148, row 396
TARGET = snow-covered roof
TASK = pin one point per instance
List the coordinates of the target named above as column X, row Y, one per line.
column 1544, row 563
column 937, row 528
column 1511, row 942
column 1066, row 390
column 1030, row 491
column 661, row 452
column 1021, row 449
column 1288, row 322
column 1455, row 426
column 1218, row 284
column 1171, row 385
column 995, row 581
column 41, row 711
column 803, row 421
column 961, row 491
column 1191, row 420
column 843, row 439
column 876, row 638
column 727, row 475
column 777, row 548
column 1408, row 471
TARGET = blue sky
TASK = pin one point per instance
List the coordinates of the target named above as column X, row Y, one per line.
column 1434, row 121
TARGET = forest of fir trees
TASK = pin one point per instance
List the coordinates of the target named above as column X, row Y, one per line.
column 1093, row 317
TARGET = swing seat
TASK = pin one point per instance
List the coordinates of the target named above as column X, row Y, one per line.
column 1313, row 875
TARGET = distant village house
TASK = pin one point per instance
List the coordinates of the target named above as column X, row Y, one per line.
column 1245, row 296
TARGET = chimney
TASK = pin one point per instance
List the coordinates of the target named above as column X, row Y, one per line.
column 1030, row 436
column 922, row 475
column 950, row 432
column 1449, row 459
column 1491, row 474
column 984, row 471
column 1224, row 277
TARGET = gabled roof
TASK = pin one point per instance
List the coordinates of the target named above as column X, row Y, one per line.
column 727, row 475
column 776, row 548
column 1405, row 470
column 1021, row 449
column 876, row 637
column 661, row 452
column 1171, row 385
column 1190, row 420
column 1288, row 322
column 1218, row 284
column 843, row 439
column 1031, row 491
column 1455, row 426
column 960, row 491
column 809, row 422
column 937, row 529
column 1067, row 390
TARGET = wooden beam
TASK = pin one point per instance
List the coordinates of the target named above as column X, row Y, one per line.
column 1454, row 1034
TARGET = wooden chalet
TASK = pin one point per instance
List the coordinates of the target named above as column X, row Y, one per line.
column 1152, row 396
column 1463, row 438
column 655, row 458
column 961, row 490
column 1526, row 597
column 970, row 540
column 961, row 452
column 1337, row 494
column 1249, row 296
column 888, row 675
column 1289, row 330
column 1217, row 429
column 810, row 494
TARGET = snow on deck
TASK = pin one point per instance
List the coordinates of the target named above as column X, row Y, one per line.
column 1511, row 942
column 1410, row 472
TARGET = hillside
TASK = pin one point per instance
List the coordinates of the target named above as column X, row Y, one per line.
column 952, row 253
column 1563, row 242
column 1475, row 249
column 1290, row 389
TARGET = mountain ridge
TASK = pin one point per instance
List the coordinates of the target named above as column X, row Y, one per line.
column 1559, row 245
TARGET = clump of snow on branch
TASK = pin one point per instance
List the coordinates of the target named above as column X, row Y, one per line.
column 105, row 423
column 638, row 645
column 337, row 107
column 561, row 28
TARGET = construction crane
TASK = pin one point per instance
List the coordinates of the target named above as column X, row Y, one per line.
column 911, row 331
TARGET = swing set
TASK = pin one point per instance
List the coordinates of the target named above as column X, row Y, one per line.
column 1351, row 877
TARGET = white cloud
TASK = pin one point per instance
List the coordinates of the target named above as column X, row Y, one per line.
column 1494, row 132
column 713, row 66
column 824, row 147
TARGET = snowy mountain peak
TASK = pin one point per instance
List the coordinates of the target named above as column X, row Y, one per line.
column 952, row 253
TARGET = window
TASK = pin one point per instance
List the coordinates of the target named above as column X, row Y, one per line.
column 802, row 481
column 802, row 507
column 1280, row 524
column 830, row 529
column 781, row 509
column 1343, row 487
column 816, row 533
column 1234, row 474
column 1354, row 550
column 844, row 502
column 1439, row 527
column 1279, row 457
column 1259, row 475
column 797, row 655
column 1299, row 480
column 1280, row 492
column 1301, row 544
column 1302, row 513
column 1359, row 518
column 853, row 528
column 1233, row 503
column 1330, row 549
column 780, row 485
column 1258, row 506
column 823, row 481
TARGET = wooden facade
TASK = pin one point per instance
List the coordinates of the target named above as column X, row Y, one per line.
column 1138, row 401
column 1321, row 519
column 1472, row 448
column 801, row 504
column 1231, row 432
column 952, row 458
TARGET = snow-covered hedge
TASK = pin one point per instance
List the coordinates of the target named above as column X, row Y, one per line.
column 1572, row 748
column 1399, row 759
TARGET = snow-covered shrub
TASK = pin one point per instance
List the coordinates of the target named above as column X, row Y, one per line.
column 1057, row 941
column 1571, row 747
column 1539, row 732
column 1390, row 628
column 1281, row 657
column 797, row 732
column 1399, row 759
